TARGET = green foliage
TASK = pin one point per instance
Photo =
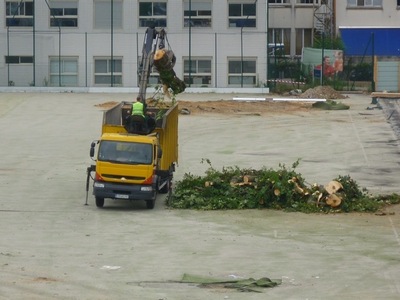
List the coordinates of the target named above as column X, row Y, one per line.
column 360, row 72
column 328, row 43
column 159, row 97
column 281, row 189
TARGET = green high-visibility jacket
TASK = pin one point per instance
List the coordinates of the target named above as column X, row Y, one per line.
column 137, row 108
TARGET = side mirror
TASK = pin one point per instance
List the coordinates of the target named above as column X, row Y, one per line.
column 92, row 145
column 159, row 153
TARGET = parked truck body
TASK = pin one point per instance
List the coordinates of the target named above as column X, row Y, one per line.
column 134, row 166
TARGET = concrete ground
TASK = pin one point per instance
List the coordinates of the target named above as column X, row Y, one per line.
column 52, row 246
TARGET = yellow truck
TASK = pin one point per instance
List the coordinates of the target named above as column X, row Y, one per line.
column 132, row 166
column 133, row 160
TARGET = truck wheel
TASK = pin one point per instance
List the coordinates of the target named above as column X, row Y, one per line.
column 150, row 203
column 99, row 202
column 166, row 187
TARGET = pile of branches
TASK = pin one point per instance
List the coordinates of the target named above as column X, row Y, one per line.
column 282, row 189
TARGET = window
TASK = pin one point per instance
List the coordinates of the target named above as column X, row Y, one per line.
column 102, row 71
column 364, row 3
column 63, row 71
column 200, row 74
column 102, row 14
column 199, row 12
column 242, row 15
column 280, row 36
column 19, row 59
column 19, row 13
column 249, row 75
column 303, row 39
column 275, row 49
column 125, row 152
column 152, row 13
column 278, row 1
column 154, row 79
column 307, row 1
column 63, row 14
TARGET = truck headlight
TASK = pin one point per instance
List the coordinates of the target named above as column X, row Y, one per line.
column 146, row 188
column 99, row 185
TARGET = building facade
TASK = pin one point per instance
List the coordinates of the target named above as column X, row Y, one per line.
column 370, row 30
column 294, row 23
column 98, row 43
column 217, row 43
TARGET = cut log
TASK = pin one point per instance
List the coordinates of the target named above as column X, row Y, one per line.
column 241, row 184
column 320, row 195
column 249, row 178
column 333, row 200
column 298, row 189
column 235, row 180
column 164, row 61
column 333, row 187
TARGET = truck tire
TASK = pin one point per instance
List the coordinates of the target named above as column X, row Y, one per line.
column 166, row 187
column 150, row 203
column 99, row 202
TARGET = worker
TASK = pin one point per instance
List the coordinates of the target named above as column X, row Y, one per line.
column 139, row 107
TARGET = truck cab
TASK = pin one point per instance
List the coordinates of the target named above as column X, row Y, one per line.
column 125, row 169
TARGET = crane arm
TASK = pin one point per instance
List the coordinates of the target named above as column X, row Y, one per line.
column 154, row 39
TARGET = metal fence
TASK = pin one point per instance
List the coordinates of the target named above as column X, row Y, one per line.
column 65, row 58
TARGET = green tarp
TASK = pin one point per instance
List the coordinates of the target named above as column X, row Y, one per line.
column 243, row 285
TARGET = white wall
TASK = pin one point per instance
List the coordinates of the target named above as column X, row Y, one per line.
column 128, row 41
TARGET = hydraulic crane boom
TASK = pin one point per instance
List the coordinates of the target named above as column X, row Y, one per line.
column 155, row 53
column 154, row 39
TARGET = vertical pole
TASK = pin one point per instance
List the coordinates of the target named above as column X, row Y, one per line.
column 112, row 43
column 33, row 44
column 241, row 56
column 59, row 55
column 86, row 62
column 323, row 55
column 275, row 65
column 59, row 42
column 267, row 44
column 216, row 60
column 373, row 62
column 190, row 42
column 137, row 59
column 8, row 55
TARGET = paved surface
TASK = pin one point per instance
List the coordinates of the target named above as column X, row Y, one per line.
column 54, row 247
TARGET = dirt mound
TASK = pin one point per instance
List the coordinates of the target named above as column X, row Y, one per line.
column 249, row 107
column 107, row 105
column 244, row 107
column 322, row 92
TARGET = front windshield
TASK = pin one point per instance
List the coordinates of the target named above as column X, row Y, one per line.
column 125, row 152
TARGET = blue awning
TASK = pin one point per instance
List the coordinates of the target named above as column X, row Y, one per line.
column 358, row 41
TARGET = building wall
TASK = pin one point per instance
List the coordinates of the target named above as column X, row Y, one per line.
column 291, row 16
column 387, row 15
column 219, row 42
column 373, row 31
